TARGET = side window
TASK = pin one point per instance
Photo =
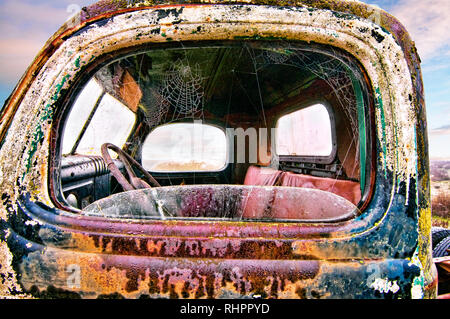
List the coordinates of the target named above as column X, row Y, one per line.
column 307, row 132
column 96, row 118
column 185, row 147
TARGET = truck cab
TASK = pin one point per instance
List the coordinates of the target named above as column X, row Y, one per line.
column 219, row 149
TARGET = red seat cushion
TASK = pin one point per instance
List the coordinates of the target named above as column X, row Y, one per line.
column 267, row 203
column 262, row 176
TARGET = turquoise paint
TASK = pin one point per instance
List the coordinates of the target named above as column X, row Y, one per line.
column 362, row 131
column 47, row 114
column 361, row 127
column 379, row 105
column 77, row 62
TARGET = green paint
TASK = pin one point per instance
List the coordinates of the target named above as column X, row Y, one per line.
column 345, row 16
column 38, row 135
column 59, row 87
column 77, row 62
column 379, row 105
column 361, row 126
column 384, row 30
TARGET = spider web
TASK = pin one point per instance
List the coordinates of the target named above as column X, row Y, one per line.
column 182, row 89
column 327, row 68
column 275, row 56
column 155, row 114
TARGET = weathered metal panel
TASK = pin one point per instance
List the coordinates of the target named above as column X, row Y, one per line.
column 385, row 252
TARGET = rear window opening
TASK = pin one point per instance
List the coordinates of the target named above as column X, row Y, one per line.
column 185, row 147
column 249, row 130
column 307, row 132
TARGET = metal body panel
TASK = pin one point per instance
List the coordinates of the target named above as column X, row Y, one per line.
column 383, row 253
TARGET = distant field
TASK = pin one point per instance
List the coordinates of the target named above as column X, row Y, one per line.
column 440, row 193
column 191, row 166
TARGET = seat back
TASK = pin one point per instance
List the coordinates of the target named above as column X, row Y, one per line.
column 347, row 189
column 262, row 176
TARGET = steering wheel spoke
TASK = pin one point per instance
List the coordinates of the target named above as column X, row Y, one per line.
column 133, row 182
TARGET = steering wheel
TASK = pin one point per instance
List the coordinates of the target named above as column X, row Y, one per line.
column 134, row 181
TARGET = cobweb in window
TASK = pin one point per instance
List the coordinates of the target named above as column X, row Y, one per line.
column 110, row 77
column 182, row 89
column 275, row 56
column 329, row 69
column 158, row 109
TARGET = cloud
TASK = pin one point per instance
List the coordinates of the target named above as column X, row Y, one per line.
column 443, row 130
column 436, row 66
column 427, row 23
column 31, row 13
column 15, row 56
column 26, row 26
column 438, row 146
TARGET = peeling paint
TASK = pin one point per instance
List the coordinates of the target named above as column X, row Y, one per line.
column 291, row 18
column 9, row 284
column 385, row 286
column 293, row 260
column 418, row 286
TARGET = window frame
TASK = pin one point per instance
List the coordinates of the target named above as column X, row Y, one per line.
column 62, row 114
column 303, row 158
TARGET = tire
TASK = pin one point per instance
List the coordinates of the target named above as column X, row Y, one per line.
column 438, row 234
column 443, row 248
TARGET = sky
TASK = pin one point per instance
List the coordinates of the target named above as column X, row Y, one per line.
column 26, row 25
